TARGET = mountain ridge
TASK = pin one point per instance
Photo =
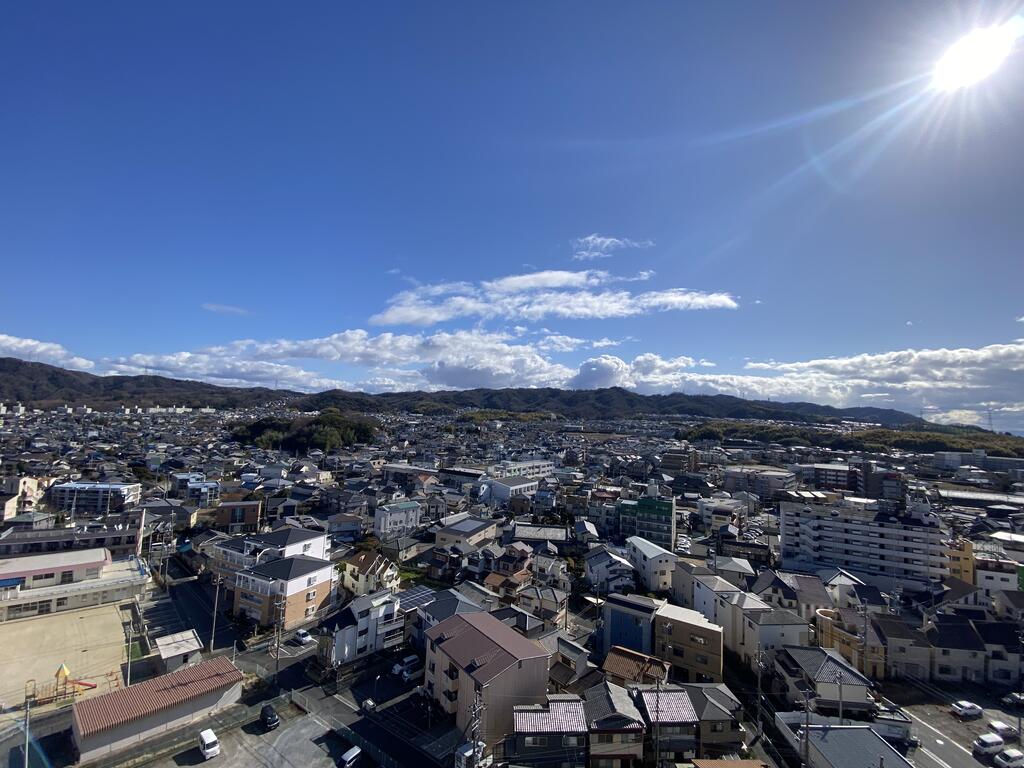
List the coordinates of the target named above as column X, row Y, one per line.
column 43, row 385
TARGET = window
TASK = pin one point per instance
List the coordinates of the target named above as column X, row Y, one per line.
column 61, row 602
column 535, row 741
column 311, row 610
column 67, row 577
column 605, row 738
column 572, row 741
column 698, row 639
column 310, row 596
column 42, row 576
column 311, row 581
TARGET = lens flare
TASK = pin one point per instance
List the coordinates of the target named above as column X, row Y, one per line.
column 976, row 55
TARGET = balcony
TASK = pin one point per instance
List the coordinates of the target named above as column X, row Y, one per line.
column 452, row 673
column 452, row 696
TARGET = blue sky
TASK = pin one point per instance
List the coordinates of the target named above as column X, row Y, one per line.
column 757, row 199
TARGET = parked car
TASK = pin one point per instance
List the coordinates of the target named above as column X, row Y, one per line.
column 350, row 758
column 987, row 744
column 208, row 744
column 966, row 710
column 269, row 718
column 1005, row 731
column 302, row 637
column 407, row 663
column 414, row 672
column 1013, row 700
column 369, row 705
column 1009, row 758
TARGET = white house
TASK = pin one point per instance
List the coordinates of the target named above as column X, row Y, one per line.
column 654, row 564
column 368, row 624
column 392, row 521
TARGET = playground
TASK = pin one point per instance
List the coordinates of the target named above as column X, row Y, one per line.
column 73, row 653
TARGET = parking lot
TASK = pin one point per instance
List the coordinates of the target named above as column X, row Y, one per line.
column 301, row 741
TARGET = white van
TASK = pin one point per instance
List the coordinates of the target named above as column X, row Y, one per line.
column 208, row 744
column 351, row 757
column 407, row 663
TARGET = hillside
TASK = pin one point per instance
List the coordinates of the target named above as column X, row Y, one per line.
column 46, row 386
column 917, row 439
column 599, row 403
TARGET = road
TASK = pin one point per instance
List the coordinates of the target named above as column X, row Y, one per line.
column 194, row 601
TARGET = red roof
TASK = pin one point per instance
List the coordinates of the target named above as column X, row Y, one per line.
column 141, row 700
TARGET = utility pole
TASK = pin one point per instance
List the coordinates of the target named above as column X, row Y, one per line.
column 216, row 597
column 841, row 698
column 1020, row 676
column 280, row 627
column 760, row 711
column 807, row 730
column 128, row 676
column 475, row 715
column 657, row 723
column 30, row 695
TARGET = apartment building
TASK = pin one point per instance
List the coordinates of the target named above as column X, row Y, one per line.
column 649, row 517
column 288, row 591
column 534, row 468
column 474, row 657
column 690, row 643
column 502, row 490
column 37, row 585
column 763, row 482
column 627, row 621
column 94, row 498
column 886, row 548
column 368, row 624
column 655, row 564
column 392, row 521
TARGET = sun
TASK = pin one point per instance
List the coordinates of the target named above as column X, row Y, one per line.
column 976, row 55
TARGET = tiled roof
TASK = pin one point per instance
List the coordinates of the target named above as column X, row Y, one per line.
column 482, row 645
column 158, row 694
column 562, row 715
column 668, row 706
column 632, row 665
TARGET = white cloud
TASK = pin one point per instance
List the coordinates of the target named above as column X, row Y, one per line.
column 595, row 246
column 560, row 343
column 42, row 352
column 224, row 309
column 536, row 295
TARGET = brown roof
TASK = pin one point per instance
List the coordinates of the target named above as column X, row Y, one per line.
column 482, row 645
column 144, row 699
column 633, row 665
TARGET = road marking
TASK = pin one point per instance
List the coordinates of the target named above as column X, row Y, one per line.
column 937, row 732
column 942, row 763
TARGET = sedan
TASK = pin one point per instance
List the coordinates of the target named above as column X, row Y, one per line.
column 1009, row 758
column 966, row 710
column 302, row 637
column 1004, row 730
column 1013, row 700
column 269, row 717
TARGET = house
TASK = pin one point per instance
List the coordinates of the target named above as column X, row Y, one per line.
column 615, row 726
column 550, row 735
column 546, row 603
column 368, row 624
column 682, row 580
column 238, row 516
column 672, row 722
column 444, row 605
column 853, row 634
column 469, row 530
column 831, row 682
column 366, row 571
column 623, row 666
column 110, row 723
column 803, row 594
column 475, row 661
column 720, row 714
column 690, row 643
column 654, row 564
column 848, row 746
column 393, row 521
column 286, row 591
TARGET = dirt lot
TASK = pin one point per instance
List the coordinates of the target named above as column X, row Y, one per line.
column 90, row 642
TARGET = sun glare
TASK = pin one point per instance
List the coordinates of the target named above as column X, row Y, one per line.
column 976, row 55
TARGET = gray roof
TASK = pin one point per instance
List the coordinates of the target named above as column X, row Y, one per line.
column 287, row 568
column 824, row 665
column 855, row 746
column 610, row 707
